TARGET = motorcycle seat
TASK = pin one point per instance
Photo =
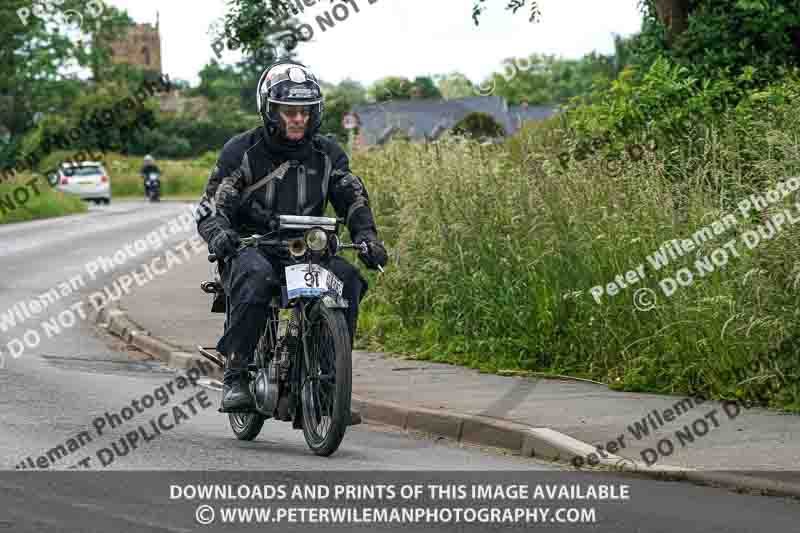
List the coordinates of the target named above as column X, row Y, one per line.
column 218, row 305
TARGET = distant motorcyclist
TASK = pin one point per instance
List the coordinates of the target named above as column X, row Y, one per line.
column 309, row 171
column 148, row 167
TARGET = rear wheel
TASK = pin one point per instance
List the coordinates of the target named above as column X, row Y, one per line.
column 246, row 426
column 326, row 379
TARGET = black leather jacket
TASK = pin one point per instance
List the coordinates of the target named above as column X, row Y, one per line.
column 146, row 169
column 317, row 173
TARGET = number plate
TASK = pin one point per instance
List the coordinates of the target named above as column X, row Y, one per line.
column 311, row 280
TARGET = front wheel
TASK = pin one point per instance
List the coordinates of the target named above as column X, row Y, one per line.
column 327, row 380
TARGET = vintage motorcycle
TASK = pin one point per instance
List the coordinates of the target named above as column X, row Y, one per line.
column 302, row 370
column 152, row 186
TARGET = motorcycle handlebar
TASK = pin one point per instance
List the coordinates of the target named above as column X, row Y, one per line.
column 362, row 247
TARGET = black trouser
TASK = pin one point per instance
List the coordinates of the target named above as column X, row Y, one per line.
column 250, row 279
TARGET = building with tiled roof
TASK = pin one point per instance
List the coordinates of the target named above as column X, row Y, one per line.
column 421, row 120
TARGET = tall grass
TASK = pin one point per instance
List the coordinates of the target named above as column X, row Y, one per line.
column 49, row 203
column 498, row 248
column 178, row 177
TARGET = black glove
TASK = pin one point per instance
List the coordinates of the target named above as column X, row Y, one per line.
column 224, row 243
column 376, row 253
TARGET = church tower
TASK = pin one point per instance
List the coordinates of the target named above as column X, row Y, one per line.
column 141, row 46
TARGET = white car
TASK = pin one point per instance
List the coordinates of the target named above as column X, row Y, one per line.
column 88, row 180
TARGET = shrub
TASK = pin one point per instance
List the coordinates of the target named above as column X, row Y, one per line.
column 479, row 125
column 685, row 121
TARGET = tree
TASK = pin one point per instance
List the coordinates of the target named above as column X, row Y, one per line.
column 181, row 84
column 479, row 125
column 478, row 7
column 424, row 87
column 36, row 57
column 400, row 88
column 673, row 14
column 390, row 88
column 218, row 81
column 265, row 31
column 348, row 90
column 546, row 79
column 339, row 100
column 455, row 85
column 711, row 37
column 624, row 54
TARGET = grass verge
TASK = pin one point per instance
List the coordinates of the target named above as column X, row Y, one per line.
column 495, row 250
column 49, row 203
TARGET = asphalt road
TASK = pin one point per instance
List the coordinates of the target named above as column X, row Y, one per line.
column 68, row 389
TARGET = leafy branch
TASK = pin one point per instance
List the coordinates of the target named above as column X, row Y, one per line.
column 513, row 5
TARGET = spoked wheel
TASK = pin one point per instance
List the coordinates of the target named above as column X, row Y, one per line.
column 326, row 381
column 246, row 426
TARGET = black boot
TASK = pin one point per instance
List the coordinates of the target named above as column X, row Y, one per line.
column 236, row 391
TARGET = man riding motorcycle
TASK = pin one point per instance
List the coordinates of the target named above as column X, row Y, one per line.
column 148, row 166
column 281, row 168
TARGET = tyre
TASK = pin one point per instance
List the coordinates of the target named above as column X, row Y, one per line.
column 246, row 426
column 326, row 381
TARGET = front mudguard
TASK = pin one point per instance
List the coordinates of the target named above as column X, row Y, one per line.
column 331, row 301
column 334, row 301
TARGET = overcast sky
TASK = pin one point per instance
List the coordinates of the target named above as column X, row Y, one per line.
column 402, row 37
